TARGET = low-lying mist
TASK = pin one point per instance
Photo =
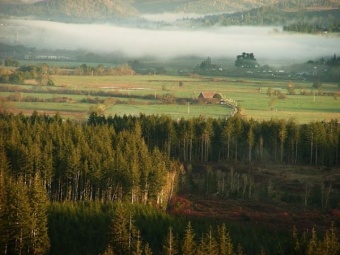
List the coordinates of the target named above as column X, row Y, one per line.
column 269, row 44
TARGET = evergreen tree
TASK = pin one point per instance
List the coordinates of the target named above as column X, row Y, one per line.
column 224, row 243
column 210, row 245
column 170, row 245
column 201, row 249
column 2, row 206
column 312, row 247
column 16, row 218
column 38, row 202
column 227, row 133
column 282, row 136
column 137, row 248
column 188, row 246
column 109, row 250
column 250, row 141
column 147, row 250
column 330, row 244
column 120, row 236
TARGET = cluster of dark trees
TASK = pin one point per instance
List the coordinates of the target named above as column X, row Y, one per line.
column 23, row 213
column 246, row 60
column 208, row 65
column 86, row 162
column 11, row 62
column 40, row 73
column 334, row 61
column 121, row 228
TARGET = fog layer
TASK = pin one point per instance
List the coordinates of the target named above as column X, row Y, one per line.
column 267, row 43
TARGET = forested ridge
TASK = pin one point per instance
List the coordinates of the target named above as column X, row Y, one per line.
column 136, row 160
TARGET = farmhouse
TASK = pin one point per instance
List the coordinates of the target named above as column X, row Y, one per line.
column 209, row 95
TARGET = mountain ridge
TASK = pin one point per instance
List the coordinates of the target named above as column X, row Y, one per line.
column 101, row 9
column 120, row 8
column 109, row 10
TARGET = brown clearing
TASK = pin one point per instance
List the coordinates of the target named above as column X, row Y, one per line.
column 271, row 214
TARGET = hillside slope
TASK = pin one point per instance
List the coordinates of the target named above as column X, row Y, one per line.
column 265, row 11
column 308, row 16
column 104, row 9
column 198, row 6
column 99, row 9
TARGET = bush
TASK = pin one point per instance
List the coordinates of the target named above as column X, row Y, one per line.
column 16, row 78
column 11, row 62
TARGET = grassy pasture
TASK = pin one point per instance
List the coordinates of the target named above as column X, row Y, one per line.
column 250, row 95
column 175, row 111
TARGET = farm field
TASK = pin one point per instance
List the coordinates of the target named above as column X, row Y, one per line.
column 75, row 96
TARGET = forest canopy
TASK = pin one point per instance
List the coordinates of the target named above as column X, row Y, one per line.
column 135, row 160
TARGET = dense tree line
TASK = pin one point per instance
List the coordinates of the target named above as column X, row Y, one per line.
column 23, row 213
column 235, row 139
column 316, row 26
column 86, row 162
column 43, row 73
column 128, row 157
column 121, row 228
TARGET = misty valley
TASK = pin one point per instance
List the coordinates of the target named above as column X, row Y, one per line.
column 164, row 127
column 270, row 44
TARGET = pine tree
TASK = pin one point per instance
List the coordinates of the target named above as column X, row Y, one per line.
column 38, row 202
column 250, row 140
column 239, row 250
column 224, row 241
column 201, row 247
column 282, row 137
column 312, row 246
column 226, row 134
column 330, row 244
column 137, row 244
column 210, row 243
column 121, row 231
column 16, row 219
column 109, row 250
column 188, row 247
column 2, row 206
column 170, row 246
column 147, row 250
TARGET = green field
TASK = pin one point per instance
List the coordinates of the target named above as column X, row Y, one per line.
column 129, row 97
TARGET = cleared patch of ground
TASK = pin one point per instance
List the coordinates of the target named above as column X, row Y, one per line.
column 272, row 215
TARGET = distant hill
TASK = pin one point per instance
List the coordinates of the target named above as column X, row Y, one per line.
column 82, row 9
column 254, row 12
column 198, row 6
column 104, row 9
column 308, row 16
column 20, row 1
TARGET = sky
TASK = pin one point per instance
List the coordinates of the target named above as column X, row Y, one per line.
column 267, row 43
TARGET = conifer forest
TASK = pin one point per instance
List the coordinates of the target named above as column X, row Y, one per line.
column 105, row 186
